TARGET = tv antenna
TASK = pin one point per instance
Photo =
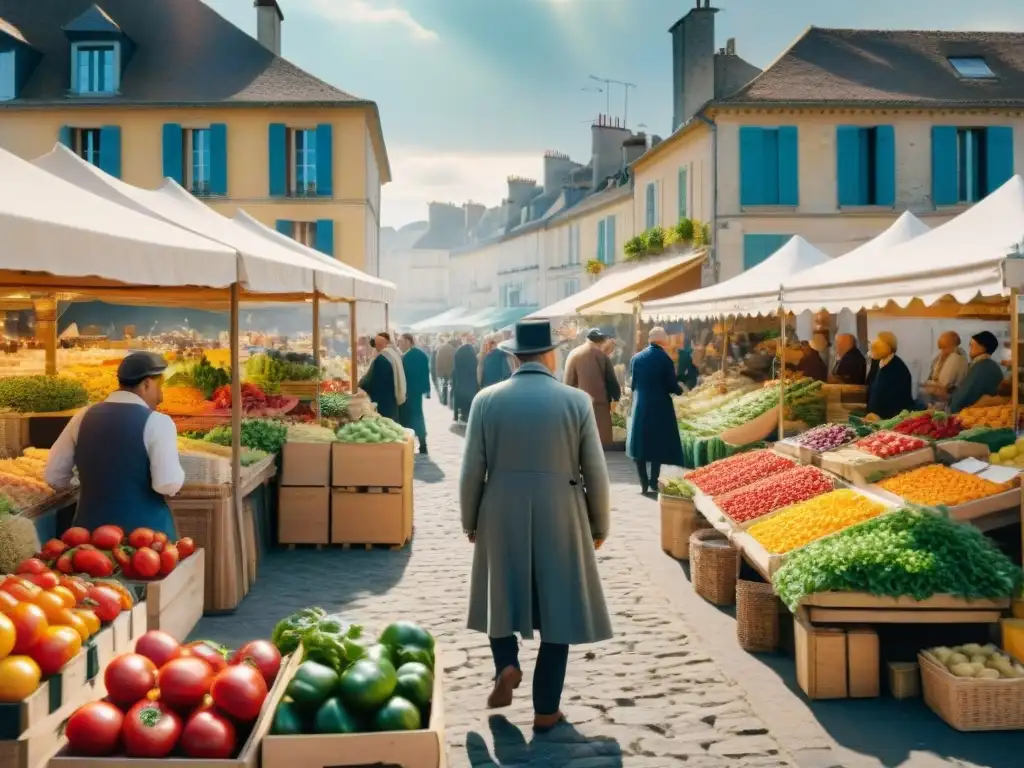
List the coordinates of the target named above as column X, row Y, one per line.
column 608, row 83
column 607, row 96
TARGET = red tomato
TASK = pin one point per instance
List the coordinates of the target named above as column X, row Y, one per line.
column 239, row 691
column 47, row 580
column 55, row 648
column 32, row 565
column 108, row 603
column 208, row 735
column 186, row 547
column 129, row 678
column 145, row 563
column 121, row 556
column 53, row 549
column 261, row 654
column 64, row 563
column 92, row 562
column 150, row 730
column 107, row 537
column 94, row 730
column 159, row 647
column 158, row 546
column 168, row 559
column 7, row 602
column 141, row 537
column 29, row 625
column 160, row 536
column 19, row 588
column 184, row 682
column 75, row 537
column 208, row 653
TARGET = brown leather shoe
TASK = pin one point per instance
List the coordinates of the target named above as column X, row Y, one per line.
column 543, row 723
column 504, row 684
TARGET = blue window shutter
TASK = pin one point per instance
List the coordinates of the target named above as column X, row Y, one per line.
column 277, row 148
column 325, row 160
column 944, row 165
column 110, row 150
column 609, row 235
column 683, row 192
column 64, row 136
column 849, row 161
column 752, row 181
column 8, row 75
column 219, row 159
column 649, row 214
column 324, row 233
column 600, row 241
column 284, row 227
column 757, row 248
column 998, row 157
column 789, row 166
column 174, row 152
column 885, row 165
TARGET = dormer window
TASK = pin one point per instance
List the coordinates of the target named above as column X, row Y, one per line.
column 95, row 69
column 971, row 67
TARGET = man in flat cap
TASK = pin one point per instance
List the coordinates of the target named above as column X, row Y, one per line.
column 983, row 377
column 126, row 453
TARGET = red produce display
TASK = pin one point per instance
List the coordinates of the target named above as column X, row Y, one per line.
column 94, row 730
column 737, row 471
column 789, row 487
column 129, row 678
column 159, row 647
column 239, row 691
column 150, row 730
column 886, row 445
column 936, row 426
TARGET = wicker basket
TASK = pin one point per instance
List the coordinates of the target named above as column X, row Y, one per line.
column 757, row 617
column 204, row 469
column 679, row 518
column 713, row 566
column 904, row 680
column 968, row 704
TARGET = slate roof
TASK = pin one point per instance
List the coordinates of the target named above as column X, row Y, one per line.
column 441, row 238
column 187, row 55
column 92, row 19
column 898, row 68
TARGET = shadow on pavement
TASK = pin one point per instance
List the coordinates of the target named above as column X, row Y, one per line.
column 426, row 471
column 289, row 580
column 563, row 745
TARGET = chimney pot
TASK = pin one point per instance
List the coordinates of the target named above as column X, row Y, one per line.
column 268, row 25
column 730, row 46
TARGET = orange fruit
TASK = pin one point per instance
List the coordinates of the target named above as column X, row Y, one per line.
column 90, row 619
column 53, row 606
column 65, row 594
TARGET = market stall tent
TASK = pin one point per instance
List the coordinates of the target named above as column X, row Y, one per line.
column 437, row 322
column 753, row 292
column 49, row 225
column 624, row 284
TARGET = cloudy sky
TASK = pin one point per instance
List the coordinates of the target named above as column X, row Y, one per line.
column 471, row 91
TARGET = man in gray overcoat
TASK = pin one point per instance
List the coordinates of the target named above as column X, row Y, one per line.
column 535, row 501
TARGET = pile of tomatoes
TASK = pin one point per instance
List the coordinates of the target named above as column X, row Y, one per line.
column 143, row 554
column 196, row 700
column 790, row 487
column 936, row 426
column 44, row 620
column 886, row 445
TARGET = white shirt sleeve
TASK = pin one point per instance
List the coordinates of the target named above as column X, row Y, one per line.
column 161, row 439
column 60, row 466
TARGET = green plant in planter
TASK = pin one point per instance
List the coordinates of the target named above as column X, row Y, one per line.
column 594, row 267
column 634, row 248
column 654, row 240
column 683, row 231
column 701, row 234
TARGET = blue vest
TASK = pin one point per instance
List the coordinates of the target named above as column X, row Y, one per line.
column 113, row 467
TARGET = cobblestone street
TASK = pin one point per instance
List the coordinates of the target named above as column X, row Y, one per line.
column 658, row 695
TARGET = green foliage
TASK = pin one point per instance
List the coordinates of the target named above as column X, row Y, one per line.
column 41, row 394
column 654, row 239
column 683, row 231
column 334, row 404
column 264, row 435
column 633, row 249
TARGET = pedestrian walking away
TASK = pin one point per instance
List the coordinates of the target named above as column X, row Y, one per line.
column 653, row 438
column 465, row 384
column 589, row 369
column 535, row 498
column 417, row 377
column 495, row 364
column 445, row 366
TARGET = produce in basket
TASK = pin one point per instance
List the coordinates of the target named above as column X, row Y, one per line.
column 936, row 484
column 379, row 430
column 886, row 445
column 912, row 551
column 18, row 536
column 737, row 471
column 781, row 490
column 310, row 433
column 265, row 435
column 826, row 437
column 677, row 488
column 334, row 404
column 984, row 662
column 143, row 554
column 934, row 426
column 800, row 524
column 41, row 394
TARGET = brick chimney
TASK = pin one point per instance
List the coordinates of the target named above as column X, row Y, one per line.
column 557, row 167
column 633, row 148
column 607, row 136
column 693, row 61
column 474, row 212
column 268, row 25
column 520, row 192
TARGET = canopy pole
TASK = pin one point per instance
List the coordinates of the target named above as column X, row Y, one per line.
column 353, row 344
column 782, row 374
column 387, row 318
column 236, row 435
column 1015, row 356
column 46, row 329
column 316, row 349
column 725, row 343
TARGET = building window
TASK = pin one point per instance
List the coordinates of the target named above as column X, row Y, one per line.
column 606, row 240
column 972, row 67
column 513, row 295
column 197, row 170
column 971, row 149
column 684, row 190
column 769, row 166
column 85, row 142
column 970, row 162
column 571, row 287
column 574, row 243
column 305, row 233
column 651, row 218
column 7, row 73
column 302, row 149
column 94, row 69
column 866, row 165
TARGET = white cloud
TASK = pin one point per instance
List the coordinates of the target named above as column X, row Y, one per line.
column 423, row 176
column 375, row 12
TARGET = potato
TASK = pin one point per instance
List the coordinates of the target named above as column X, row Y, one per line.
column 989, row 649
column 941, row 653
column 988, row 674
column 957, row 658
column 979, row 658
column 978, row 668
column 970, row 649
column 962, row 670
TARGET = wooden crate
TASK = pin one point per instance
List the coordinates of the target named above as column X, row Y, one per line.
column 304, row 390
column 379, row 465
column 305, row 464
column 424, row 748
column 862, row 469
column 304, row 515
column 377, row 516
column 175, row 604
column 821, row 660
column 862, row 608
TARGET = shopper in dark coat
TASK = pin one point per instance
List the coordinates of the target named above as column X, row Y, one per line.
column 686, row 371
column 464, row 381
column 417, row 378
column 653, row 436
column 985, row 375
column 379, row 381
column 890, row 385
column 495, row 367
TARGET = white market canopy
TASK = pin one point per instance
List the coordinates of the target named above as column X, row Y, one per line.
column 50, row 225
column 621, row 285
column 753, row 292
column 265, row 266
column 802, row 291
column 961, row 258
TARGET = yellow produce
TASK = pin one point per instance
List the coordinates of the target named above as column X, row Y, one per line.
column 1008, row 453
column 99, row 380
column 987, row 416
column 808, row 521
column 201, row 446
column 936, row 484
column 184, row 401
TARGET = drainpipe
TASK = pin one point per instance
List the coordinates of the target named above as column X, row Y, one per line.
column 714, row 185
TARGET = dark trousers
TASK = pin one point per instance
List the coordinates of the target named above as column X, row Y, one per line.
column 648, row 481
column 548, row 675
column 442, row 390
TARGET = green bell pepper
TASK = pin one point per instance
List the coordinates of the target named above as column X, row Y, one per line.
column 332, row 717
column 312, row 685
column 288, row 720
